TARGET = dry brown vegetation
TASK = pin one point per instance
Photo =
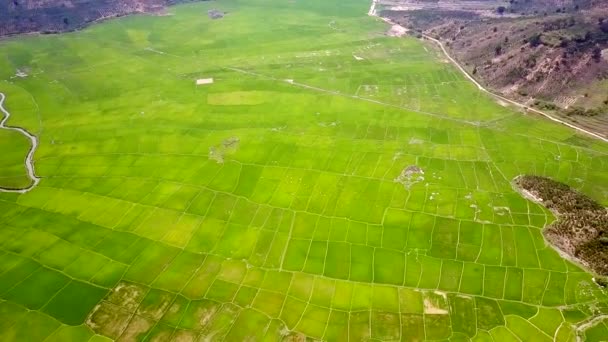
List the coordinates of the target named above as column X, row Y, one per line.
column 581, row 230
column 552, row 57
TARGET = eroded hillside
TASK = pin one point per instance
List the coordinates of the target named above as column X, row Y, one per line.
column 552, row 55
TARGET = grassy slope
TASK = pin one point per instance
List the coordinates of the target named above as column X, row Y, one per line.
column 303, row 221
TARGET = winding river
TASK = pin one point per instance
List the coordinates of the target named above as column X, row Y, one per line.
column 29, row 162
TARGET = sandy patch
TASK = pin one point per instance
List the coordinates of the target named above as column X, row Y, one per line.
column 431, row 309
column 397, row 31
column 502, row 103
column 240, row 98
column 184, row 336
column 203, row 81
column 109, row 320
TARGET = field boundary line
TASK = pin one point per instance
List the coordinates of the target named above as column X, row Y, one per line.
column 339, row 93
column 372, row 12
column 29, row 162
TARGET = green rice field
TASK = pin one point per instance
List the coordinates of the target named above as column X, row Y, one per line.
column 332, row 183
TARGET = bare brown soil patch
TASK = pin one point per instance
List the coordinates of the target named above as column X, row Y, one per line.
column 137, row 329
column 127, row 295
column 109, row 320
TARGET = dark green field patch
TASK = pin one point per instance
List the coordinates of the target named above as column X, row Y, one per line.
column 74, row 302
column 488, row 313
column 37, row 289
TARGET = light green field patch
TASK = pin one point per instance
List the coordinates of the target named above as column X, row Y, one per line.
column 182, row 230
column 270, row 302
column 293, row 310
column 240, row 98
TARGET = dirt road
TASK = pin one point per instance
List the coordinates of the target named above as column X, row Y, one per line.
column 372, row 12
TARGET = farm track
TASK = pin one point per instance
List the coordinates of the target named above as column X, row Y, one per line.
column 29, row 162
column 373, row 12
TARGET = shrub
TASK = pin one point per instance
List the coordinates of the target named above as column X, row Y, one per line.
column 535, row 40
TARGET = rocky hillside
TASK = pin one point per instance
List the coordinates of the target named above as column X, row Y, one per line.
column 552, row 58
column 552, row 54
column 50, row 16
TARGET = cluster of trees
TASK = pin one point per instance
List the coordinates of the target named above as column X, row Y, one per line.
column 544, row 105
column 591, row 41
column 578, row 111
column 582, row 226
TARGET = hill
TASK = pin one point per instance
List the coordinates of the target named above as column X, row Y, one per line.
column 52, row 16
column 549, row 54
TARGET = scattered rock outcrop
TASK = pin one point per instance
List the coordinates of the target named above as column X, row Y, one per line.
column 410, row 176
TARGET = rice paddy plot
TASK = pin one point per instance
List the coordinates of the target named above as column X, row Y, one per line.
column 305, row 193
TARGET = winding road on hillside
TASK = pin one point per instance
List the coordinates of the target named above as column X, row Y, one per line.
column 29, row 162
column 373, row 12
